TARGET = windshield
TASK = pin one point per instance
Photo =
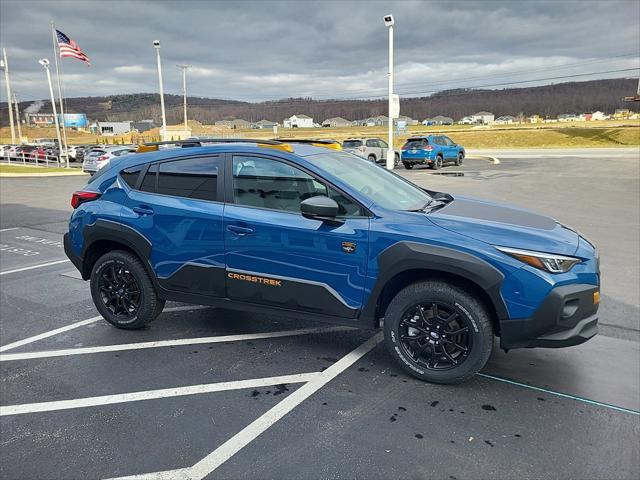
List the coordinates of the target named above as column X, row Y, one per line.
column 351, row 144
column 385, row 188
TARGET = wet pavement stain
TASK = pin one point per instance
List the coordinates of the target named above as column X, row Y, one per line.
column 489, row 408
column 362, row 369
column 402, row 409
column 542, row 399
column 488, row 442
column 280, row 389
column 419, row 436
column 435, row 403
column 393, row 418
column 255, row 393
column 517, row 435
column 329, row 359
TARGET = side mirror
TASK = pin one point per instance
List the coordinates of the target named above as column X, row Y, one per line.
column 320, row 208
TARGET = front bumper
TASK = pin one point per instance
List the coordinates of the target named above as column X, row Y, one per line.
column 567, row 317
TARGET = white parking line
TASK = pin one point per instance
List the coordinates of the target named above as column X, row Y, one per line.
column 32, row 267
column 8, row 229
column 81, row 323
column 166, row 343
column 154, row 394
column 245, row 436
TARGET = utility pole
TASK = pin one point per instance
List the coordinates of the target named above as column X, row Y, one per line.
column 5, row 65
column 184, row 90
column 45, row 63
column 15, row 103
column 156, row 45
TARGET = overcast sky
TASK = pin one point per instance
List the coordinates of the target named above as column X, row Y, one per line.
column 262, row 50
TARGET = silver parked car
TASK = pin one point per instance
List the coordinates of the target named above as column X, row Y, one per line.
column 99, row 157
column 371, row 148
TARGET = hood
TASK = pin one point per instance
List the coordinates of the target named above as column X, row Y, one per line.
column 505, row 225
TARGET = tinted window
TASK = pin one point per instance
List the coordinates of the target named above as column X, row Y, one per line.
column 416, row 143
column 149, row 182
column 130, row 175
column 372, row 143
column 190, row 178
column 448, row 141
column 266, row 183
column 352, row 144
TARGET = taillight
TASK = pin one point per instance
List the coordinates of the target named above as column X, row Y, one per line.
column 78, row 198
column 428, row 148
column 103, row 157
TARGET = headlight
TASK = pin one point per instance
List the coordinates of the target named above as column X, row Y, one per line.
column 544, row 261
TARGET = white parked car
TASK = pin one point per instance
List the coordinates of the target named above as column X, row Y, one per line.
column 373, row 149
column 99, row 157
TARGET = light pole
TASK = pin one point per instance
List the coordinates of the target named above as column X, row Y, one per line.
column 45, row 63
column 5, row 65
column 156, row 45
column 184, row 91
column 18, row 126
column 389, row 22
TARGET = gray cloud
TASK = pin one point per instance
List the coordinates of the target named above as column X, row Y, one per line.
column 267, row 50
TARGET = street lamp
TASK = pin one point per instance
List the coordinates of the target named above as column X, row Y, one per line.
column 389, row 22
column 184, row 91
column 45, row 63
column 156, row 45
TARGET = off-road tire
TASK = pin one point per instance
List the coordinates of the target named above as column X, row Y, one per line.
column 150, row 306
column 471, row 310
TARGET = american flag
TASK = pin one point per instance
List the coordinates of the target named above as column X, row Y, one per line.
column 69, row 48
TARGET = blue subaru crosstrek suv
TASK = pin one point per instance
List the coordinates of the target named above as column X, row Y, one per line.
column 431, row 150
column 319, row 234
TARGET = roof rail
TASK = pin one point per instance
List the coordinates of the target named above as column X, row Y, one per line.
column 332, row 144
column 193, row 141
column 197, row 142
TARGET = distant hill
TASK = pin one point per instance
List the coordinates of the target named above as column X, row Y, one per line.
column 548, row 100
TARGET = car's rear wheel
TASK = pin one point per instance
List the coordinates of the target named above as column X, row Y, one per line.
column 437, row 163
column 460, row 159
column 372, row 158
column 408, row 165
column 438, row 332
column 397, row 162
column 123, row 292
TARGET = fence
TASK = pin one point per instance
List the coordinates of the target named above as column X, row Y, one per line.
column 33, row 158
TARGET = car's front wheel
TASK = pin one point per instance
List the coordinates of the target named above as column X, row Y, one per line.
column 123, row 292
column 438, row 332
column 460, row 159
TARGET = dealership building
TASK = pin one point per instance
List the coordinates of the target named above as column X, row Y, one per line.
column 71, row 120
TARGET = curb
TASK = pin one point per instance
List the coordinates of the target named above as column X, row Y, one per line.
column 493, row 160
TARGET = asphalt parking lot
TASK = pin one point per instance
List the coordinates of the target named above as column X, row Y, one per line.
column 209, row 393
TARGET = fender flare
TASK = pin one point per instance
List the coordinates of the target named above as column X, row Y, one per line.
column 119, row 233
column 405, row 256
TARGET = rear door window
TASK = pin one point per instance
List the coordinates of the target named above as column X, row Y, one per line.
column 149, row 181
column 372, row 143
column 189, row 178
column 352, row 144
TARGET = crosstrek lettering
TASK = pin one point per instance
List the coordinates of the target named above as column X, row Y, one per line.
column 254, row 279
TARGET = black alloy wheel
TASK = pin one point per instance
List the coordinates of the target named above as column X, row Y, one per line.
column 435, row 336
column 119, row 292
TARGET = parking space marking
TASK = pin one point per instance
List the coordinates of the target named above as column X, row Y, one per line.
column 245, row 436
column 9, row 229
column 154, row 394
column 560, row 394
column 41, row 265
column 167, row 343
column 66, row 328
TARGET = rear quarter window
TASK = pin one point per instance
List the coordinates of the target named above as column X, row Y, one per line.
column 416, row 143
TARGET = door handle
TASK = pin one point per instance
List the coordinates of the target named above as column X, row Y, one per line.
column 143, row 210
column 238, row 230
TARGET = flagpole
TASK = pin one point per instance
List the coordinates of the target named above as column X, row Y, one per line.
column 63, row 148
